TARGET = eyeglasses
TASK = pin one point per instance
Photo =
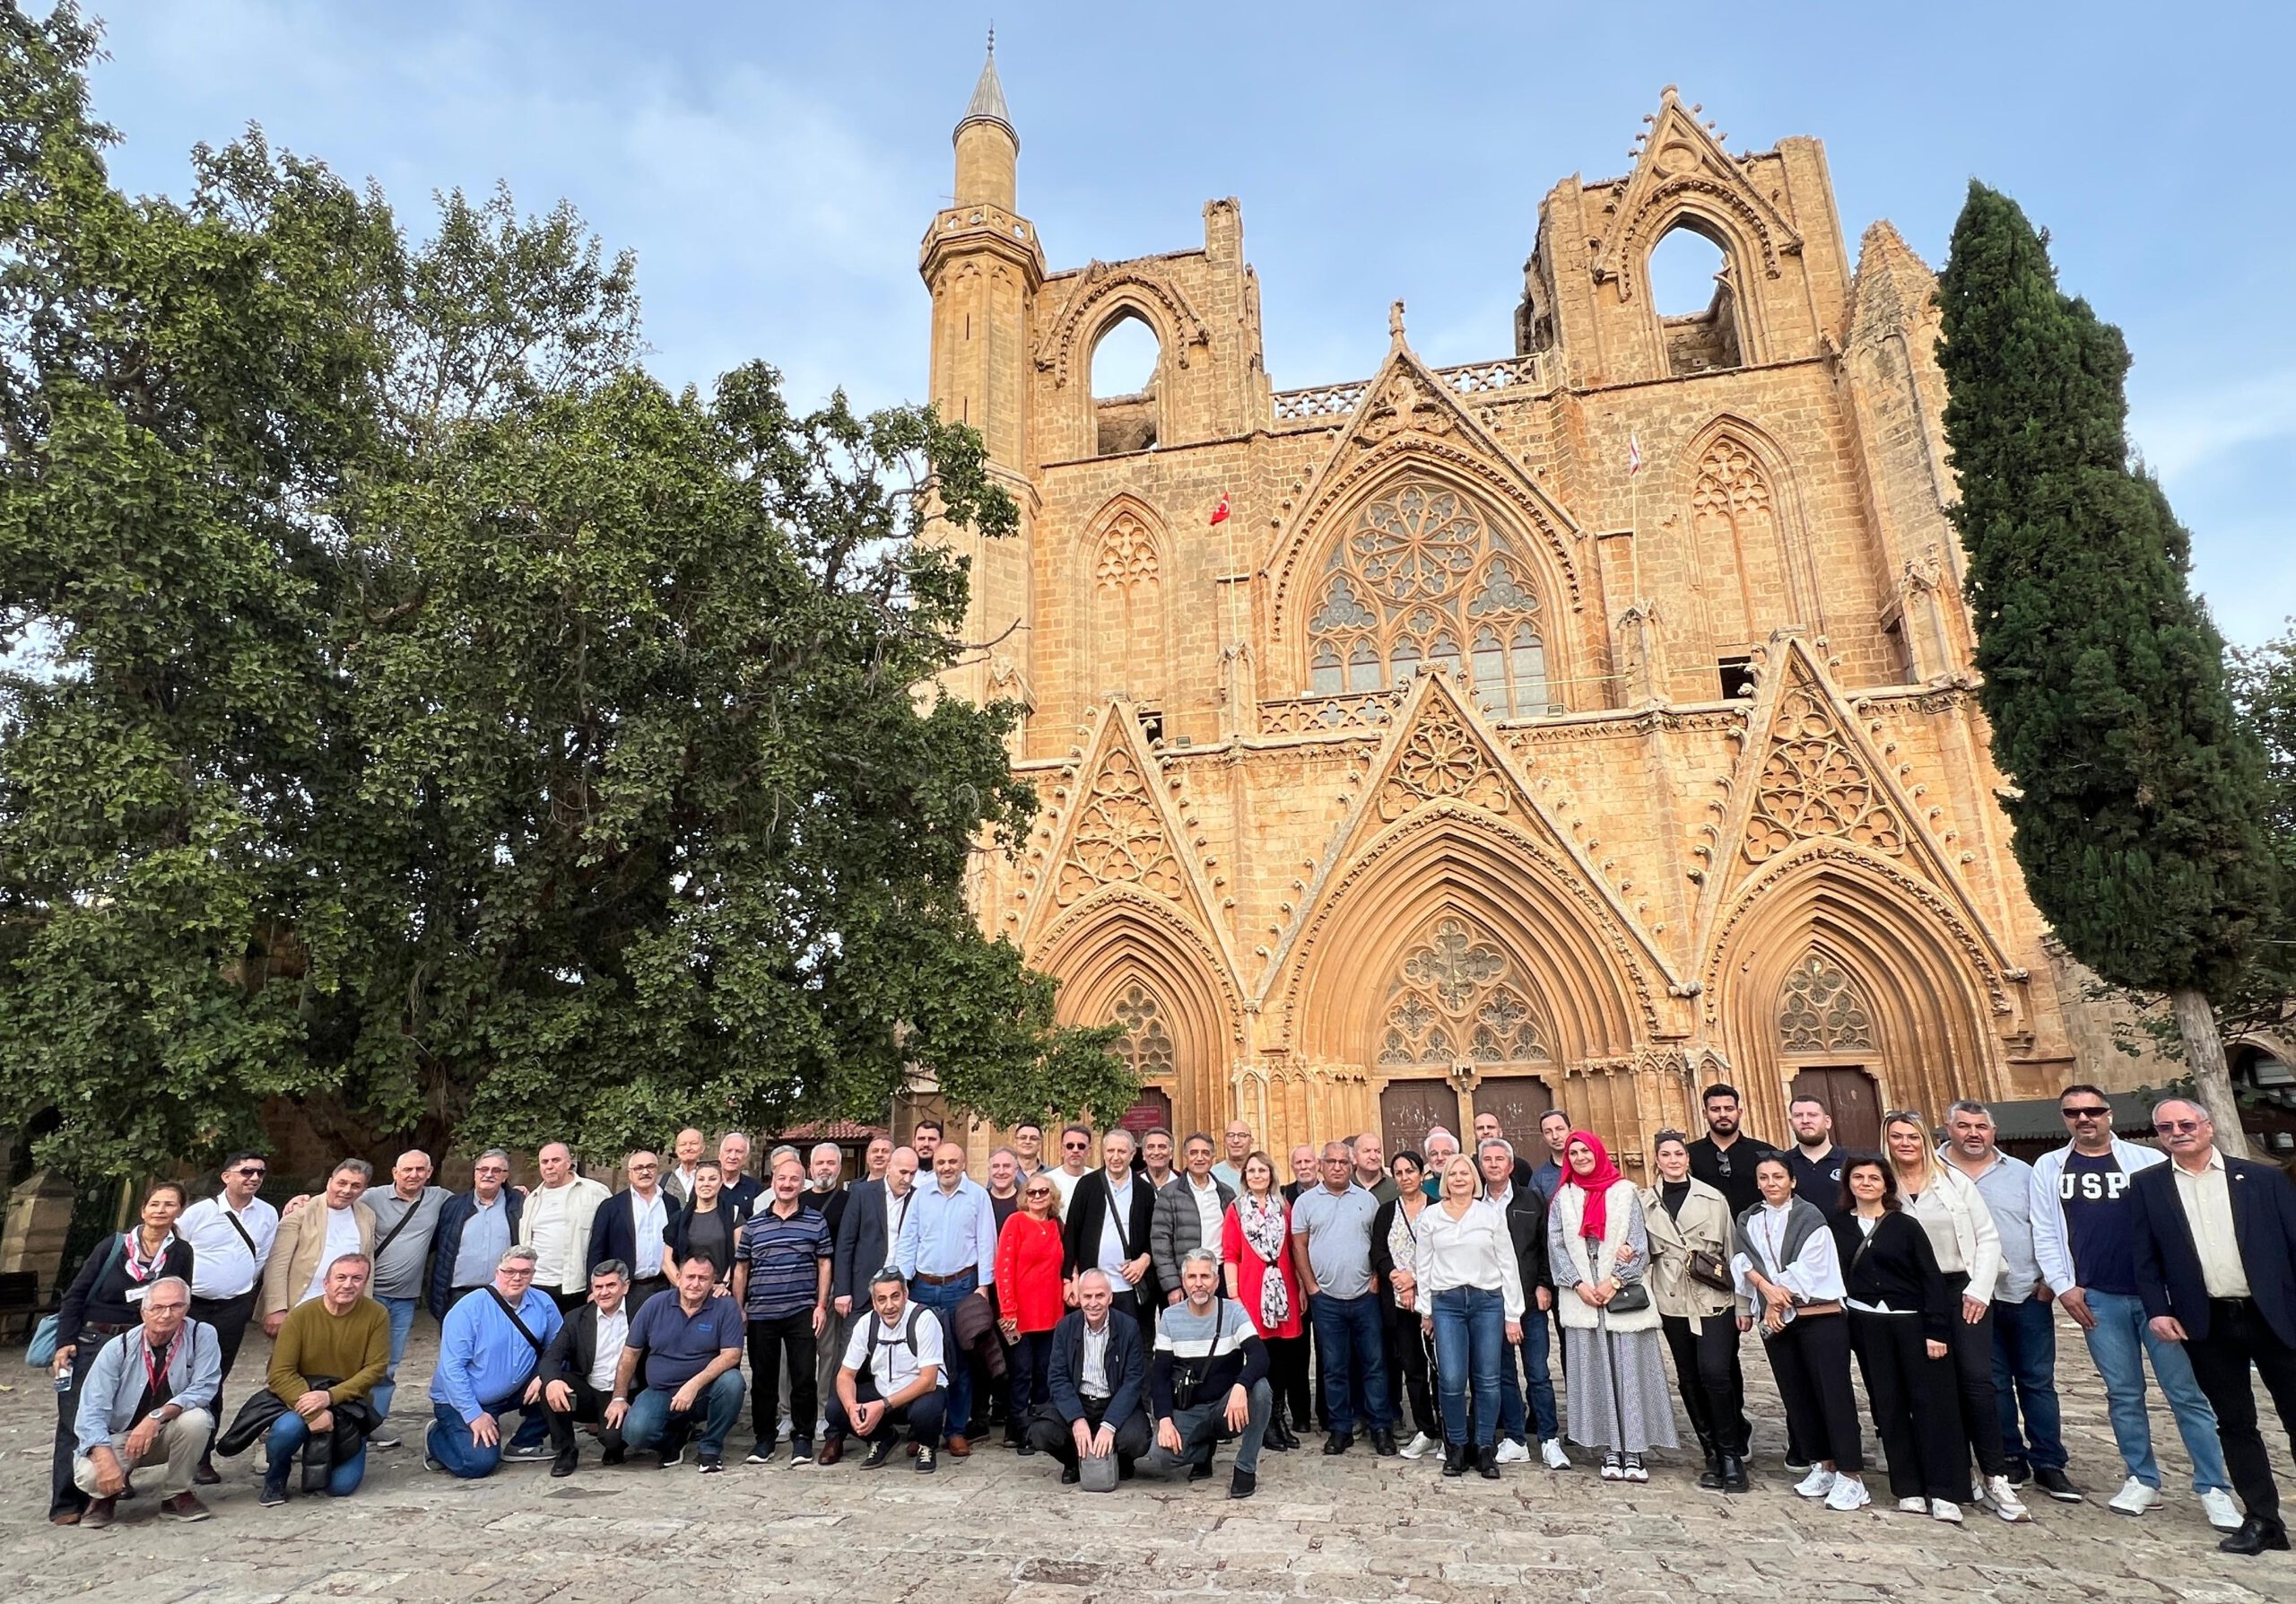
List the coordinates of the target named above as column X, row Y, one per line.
column 2175, row 1127
column 2086, row 1113
column 507, row 1270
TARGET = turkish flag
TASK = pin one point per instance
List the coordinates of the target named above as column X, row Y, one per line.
column 1220, row 513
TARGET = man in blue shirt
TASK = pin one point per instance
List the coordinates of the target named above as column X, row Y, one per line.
column 691, row 1347
column 948, row 1253
column 490, row 1355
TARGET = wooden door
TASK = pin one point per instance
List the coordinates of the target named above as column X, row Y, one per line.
column 1410, row 1109
column 1848, row 1094
column 1519, row 1101
column 1155, row 1109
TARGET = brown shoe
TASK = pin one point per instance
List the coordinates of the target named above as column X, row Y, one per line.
column 185, row 1506
column 64, row 1517
column 98, row 1514
column 207, row 1476
column 832, row 1450
column 958, row 1449
column 910, row 1448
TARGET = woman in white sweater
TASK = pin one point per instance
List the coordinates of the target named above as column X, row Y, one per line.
column 1599, row 1249
column 1468, row 1290
column 1952, row 1212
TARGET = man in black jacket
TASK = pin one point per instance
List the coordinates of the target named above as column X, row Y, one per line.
column 2215, row 1239
column 629, row 1227
column 487, row 1216
column 578, row 1367
column 1525, row 1209
column 869, row 1234
column 1098, row 1378
column 1111, row 1218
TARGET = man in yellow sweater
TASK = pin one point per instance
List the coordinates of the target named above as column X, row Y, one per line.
column 341, row 1337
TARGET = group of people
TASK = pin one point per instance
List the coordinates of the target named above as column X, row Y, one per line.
column 1135, row 1301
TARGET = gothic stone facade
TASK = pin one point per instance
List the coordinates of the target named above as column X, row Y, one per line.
column 1466, row 766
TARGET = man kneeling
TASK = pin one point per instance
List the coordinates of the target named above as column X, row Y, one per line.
column 892, row 1376
column 1099, row 1376
column 690, row 1343
column 580, row 1367
column 1209, row 1377
column 490, row 1352
column 148, row 1396
column 328, row 1358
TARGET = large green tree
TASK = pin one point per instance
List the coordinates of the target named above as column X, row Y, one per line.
column 2138, row 797
column 412, row 710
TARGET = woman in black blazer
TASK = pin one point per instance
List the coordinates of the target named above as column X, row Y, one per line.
column 1902, row 1312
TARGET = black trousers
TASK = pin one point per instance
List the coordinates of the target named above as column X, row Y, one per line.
column 1707, row 1373
column 1407, row 1357
column 1049, row 1430
column 1970, row 1348
column 1917, row 1407
column 769, row 1340
column 230, row 1317
column 641, row 1289
column 587, row 1406
column 2238, row 1336
column 923, row 1415
column 1811, row 1360
column 1287, row 1376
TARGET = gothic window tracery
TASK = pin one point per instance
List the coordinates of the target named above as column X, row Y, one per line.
column 1145, row 1046
column 1819, row 1010
column 1456, row 997
column 1734, row 516
column 1421, row 581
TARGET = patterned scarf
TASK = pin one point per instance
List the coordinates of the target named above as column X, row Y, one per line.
column 1262, row 1220
column 140, row 1269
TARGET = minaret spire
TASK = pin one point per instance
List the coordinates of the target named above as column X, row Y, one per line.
column 988, row 96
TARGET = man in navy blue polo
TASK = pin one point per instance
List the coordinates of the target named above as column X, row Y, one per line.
column 691, row 1347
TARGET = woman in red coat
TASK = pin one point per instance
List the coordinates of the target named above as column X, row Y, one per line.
column 1030, row 1301
column 1256, row 1249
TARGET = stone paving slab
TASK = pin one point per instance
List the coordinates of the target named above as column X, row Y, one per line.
column 997, row 1529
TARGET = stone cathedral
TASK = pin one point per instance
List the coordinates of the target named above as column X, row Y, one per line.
column 1569, row 729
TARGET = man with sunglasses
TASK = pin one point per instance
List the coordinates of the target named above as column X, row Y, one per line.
column 230, row 1234
column 1075, row 1161
column 2216, row 1267
column 2084, row 1239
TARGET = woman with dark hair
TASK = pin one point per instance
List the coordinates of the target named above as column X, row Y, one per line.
column 1395, row 1234
column 709, row 1226
column 1255, row 1262
column 105, row 1299
column 1901, row 1324
column 1789, row 1284
column 1691, row 1244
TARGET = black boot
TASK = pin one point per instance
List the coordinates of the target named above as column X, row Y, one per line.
column 1710, row 1478
column 1734, row 1473
column 1486, row 1461
column 1455, row 1459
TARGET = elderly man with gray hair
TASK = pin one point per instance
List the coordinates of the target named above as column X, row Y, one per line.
column 148, row 1396
column 1331, row 1248
column 490, row 1362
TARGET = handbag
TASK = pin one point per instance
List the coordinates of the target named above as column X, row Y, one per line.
column 1708, row 1270
column 40, row 1352
column 1187, row 1374
column 1632, row 1297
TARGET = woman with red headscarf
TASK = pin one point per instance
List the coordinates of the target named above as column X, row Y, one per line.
column 1612, row 1350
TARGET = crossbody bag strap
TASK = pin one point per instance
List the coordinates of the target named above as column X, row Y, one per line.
column 503, row 1303
column 405, row 1220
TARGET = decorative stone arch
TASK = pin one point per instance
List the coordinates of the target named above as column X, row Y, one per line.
column 1122, row 588
column 1789, row 529
column 1119, row 944
column 1936, row 1002
column 1539, row 535
column 1105, row 298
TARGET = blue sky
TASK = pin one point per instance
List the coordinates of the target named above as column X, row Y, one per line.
column 774, row 166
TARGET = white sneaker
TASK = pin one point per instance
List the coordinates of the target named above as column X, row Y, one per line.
column 2222, row 1513
column 2135, row 1498
column 1913, row 1506
column 1420, row 1443
column 2003, row 1499
column 1511, row 1452
column 1550, row 1451
column 1847, row 1493
column 1940, row 1510
column 1817, row 1483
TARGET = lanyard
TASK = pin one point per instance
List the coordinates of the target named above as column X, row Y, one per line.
column 154, row 1370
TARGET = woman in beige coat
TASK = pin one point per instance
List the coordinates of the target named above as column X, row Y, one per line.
column 1683, row 1216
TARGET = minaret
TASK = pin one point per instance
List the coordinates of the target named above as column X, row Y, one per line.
column 983, row 264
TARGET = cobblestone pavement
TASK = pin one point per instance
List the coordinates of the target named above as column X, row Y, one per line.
column 1001, row 1528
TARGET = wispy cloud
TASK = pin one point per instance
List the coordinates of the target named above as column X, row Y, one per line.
column 2181, row 433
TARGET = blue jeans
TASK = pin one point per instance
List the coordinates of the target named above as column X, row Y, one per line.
column 402, row 1314
column 2119, row 1343
column 1470, row 1345
column 651, row 1422
column 288, row 1434
column 2025, row 1378
column 450, row 1440
column 943, row 1301
column 1536, row 1335
column 1351, row 1340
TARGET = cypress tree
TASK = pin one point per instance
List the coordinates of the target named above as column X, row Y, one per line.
column 2139, row 799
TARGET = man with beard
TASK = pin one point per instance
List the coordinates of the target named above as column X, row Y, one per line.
column 1725, row 1156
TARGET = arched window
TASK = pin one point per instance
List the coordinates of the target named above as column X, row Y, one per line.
column 1145, row 1046
column 1421, row 581
column 1125, row 361
column 1693, row 291
column 1819, row 1010
column 1455, row 1000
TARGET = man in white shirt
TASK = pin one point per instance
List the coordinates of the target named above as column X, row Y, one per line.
column 556, row 1223
column 311, row 1239
column 685, row 1158
column 1156, row 1158
column 1188, row 1216
column 1075, row 1161
column 892, row 1377
column 230, row 1235
column 578, row 1366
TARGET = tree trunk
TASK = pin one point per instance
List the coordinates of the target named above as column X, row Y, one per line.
column 2212, row 1077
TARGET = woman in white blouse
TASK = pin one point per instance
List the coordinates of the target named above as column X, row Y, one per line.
column 1468, row 1289
column 1952, row 1214
column 1789, row 1283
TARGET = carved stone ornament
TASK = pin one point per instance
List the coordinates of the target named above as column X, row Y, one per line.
column 1119, row 837
column 1403, row 404
column 1813, row 783
column 1442, row 761
column 1145, row 1046
column 1821, row 1011
column 1127, row 556
column 1453, row 999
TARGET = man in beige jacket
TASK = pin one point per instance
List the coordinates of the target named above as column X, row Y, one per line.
column 313, row 1237
column 556, row 1223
